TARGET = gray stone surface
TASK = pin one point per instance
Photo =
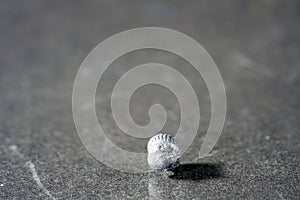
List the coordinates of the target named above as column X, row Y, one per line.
column 256, row 46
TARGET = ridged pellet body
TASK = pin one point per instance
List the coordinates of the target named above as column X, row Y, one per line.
column 163, row 152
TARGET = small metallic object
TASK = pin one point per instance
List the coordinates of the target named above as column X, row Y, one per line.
column 163, row 152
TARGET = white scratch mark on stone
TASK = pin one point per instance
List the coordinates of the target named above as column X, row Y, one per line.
column 281, row 197
column 37, row 179
column 32, row 169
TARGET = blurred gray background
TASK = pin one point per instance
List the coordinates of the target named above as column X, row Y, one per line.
column 255, row 45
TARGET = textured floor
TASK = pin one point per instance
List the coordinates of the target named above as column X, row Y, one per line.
column 256, row 46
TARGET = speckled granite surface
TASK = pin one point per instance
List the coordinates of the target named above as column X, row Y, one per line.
column 256, row 46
